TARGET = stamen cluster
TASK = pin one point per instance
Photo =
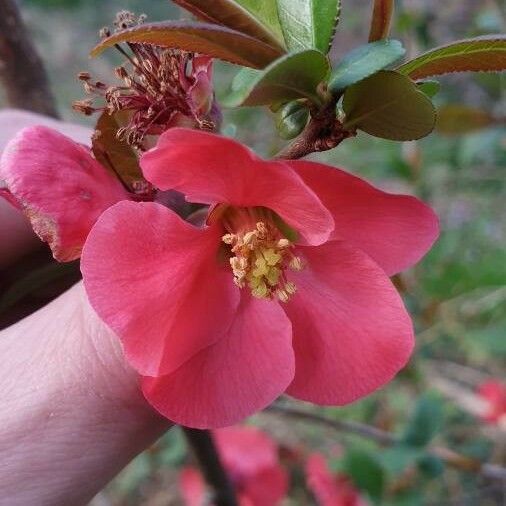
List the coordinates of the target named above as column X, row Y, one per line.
column 156, row 89
column 260, row 260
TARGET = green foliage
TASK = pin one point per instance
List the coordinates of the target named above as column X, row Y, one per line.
column 364, row 61
column 431, row 466
column 481, row 54
column 429, row 87
column 213, row 40
column 425, row 422
column 366, row 472
column 389, row 105
column 293, row 76
column 258, row 18
column 397, row 459
column 309, row 24
column 291, row 119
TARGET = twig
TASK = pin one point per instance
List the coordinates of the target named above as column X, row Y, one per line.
column 202, row 444
column 323, row 132
column 449, row 457
column 21, row 70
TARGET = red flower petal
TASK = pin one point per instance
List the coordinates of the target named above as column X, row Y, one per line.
column 61, row 188
column 351, row 331
column 156, row 281
column 192, row 486
column 241, row 373
column 211, row 169
column 266, row 488
column 394, row 230
column 246, row 449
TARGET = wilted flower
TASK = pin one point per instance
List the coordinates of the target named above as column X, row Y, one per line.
column 285, row 289
column 251, row 460
column 60, row 187
column 161, row 88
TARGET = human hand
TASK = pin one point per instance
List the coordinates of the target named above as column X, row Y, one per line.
column 71, row 413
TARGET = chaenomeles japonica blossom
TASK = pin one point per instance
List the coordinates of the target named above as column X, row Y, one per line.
column 493, row 394
column 251, row 460
column 330, row 489
column 284, row 289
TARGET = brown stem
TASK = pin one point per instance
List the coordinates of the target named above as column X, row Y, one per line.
column 323, row 132
column 21, row 70
column 449, row 457
column 202, row 444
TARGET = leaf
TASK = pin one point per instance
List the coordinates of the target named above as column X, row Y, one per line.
column 212, row 40
column 366, row 472
column 381, row 19
column 430, row 88
column 116, row 155
column 291, row 119
column 309, row 24
column 397, row 459
column 364, row 61
column 457, row 119
column 481, row 54
column 431, row 466
column 257, row 19
column 425, row 421
column 293, row 76
column 388, row 105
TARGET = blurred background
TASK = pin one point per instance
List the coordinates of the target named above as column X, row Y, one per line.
column 457, row 294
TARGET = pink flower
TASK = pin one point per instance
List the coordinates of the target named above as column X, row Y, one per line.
column 251, row 460
column 494, row 393
column 61, row 188
column 285, row 289
column 329, row 489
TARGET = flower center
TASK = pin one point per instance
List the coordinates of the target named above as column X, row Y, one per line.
column 261, row 254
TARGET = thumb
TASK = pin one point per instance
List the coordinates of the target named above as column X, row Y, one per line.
column 71, row 411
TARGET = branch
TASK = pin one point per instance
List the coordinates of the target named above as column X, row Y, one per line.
column 323, row 132
column 21, row 70
column 202, row 444
column 449, row 457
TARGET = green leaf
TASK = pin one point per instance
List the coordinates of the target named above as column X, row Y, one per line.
column 431, row 466
column 430, row 88
column 364, row 61
column 293, row 76
column 365, row 471
column 213, row 40
column 309, row 24
column 291, row 119
column 397, row 459
column 383, row 11
column 457, row 119
column 117, row 156
column 388, row 105
column 481, row 54
column 259, row 18
column 425, row 422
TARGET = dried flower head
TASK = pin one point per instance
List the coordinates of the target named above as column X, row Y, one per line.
column 161, row 88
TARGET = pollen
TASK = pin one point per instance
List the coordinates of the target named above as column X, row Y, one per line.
column 261, row 257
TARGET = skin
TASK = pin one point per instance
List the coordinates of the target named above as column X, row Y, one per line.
column 71, row 411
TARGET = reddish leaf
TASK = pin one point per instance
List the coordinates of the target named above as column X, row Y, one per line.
column 115, row 155
column 481, row 54
column 232, row 14
column 381, row 19
column 213, row 40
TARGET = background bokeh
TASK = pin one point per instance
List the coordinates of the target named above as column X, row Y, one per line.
column 457, row 294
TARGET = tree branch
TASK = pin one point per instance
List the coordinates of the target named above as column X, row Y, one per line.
column 449, row 457
column 202, row 444
column 21, row 70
